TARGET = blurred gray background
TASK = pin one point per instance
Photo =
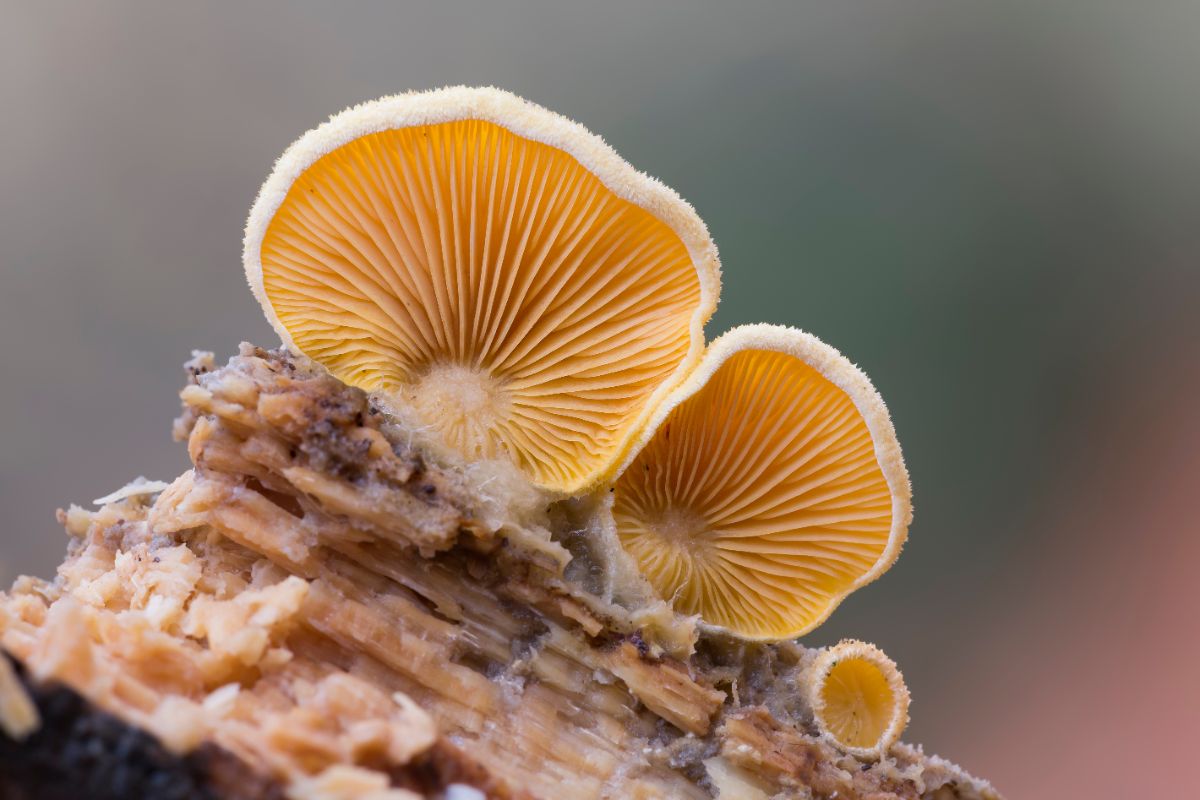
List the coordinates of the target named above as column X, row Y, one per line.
column 994, row 208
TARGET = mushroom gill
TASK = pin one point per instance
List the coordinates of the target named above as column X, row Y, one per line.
column 493, row 271
column 770, row 486
column 858, row 697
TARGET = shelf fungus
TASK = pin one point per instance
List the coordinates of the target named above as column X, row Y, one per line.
column 494, row 271
column 770, row 486
column 858, row 698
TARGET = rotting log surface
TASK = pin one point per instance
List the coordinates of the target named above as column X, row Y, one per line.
column 317, row 609
column 80, row 751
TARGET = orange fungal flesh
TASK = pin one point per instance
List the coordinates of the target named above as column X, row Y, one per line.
column 490, row 282
column 858, row 704
column 759, row 501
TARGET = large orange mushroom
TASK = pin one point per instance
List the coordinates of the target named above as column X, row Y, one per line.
column 495, row 272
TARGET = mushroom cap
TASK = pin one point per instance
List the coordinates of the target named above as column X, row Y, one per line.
column 858, row 698
column 767, row 487
column 493, row 271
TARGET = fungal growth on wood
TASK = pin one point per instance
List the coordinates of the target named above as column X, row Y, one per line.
column 494, row 271
column 492, row 522
column 771, row 485
column 858, row 698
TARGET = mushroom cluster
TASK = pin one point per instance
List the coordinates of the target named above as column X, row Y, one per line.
column 499, row 276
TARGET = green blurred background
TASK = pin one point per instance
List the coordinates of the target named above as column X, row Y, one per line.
column 993, row 208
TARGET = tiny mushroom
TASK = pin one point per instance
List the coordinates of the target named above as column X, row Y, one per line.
column 495, row 272
column 767, row 488
column 858, row 698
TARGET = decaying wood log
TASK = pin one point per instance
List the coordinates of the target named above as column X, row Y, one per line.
column 323, row 609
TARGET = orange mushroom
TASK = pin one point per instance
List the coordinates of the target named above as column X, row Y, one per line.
column 858, row 698
column 493, row 271
column 769, row 486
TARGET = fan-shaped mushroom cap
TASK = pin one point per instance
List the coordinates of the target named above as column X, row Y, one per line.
column 858, row 698
column 770, row 485
column 490, row 268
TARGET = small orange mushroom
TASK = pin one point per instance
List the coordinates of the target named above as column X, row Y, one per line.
column 858, row 698
column 492, row 270
column 770, row 486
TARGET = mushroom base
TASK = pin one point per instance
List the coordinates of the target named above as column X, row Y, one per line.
column 464, row 405
column 337, row 616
